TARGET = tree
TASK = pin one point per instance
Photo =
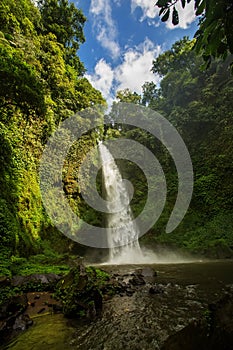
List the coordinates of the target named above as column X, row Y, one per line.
column 18, row 17
column 20, row 84
column 200, row 105
column 214, row 38
column 184, row 82
column 128, row 96
column 63, row 19
column 179, row 56
column 149, row 93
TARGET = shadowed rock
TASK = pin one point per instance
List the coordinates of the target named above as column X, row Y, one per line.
column 214, row 332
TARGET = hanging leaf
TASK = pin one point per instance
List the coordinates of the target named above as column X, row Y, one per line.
column 197, row 2
column 161, row 11
column 183, row 3
column 161, row 3
column 200, row 8
column 165, row 16
column 175, row 17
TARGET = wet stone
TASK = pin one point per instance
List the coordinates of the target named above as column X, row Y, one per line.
column 156, row 289
column 137, row 280
column 147, row 272
column 22, row 322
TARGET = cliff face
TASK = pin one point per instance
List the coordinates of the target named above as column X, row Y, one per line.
column 42, row 83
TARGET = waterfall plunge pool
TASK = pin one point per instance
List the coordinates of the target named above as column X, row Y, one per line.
column 142, row 321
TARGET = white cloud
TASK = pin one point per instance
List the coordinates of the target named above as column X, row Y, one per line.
column 135, row 69
column 148, row 7
column 132, row 73
column 97, row 7
column 102, row 79
column 104, row 26
column 149, row 10
column 107, row 43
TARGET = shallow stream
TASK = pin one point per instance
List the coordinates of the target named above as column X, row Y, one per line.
column 137, row 322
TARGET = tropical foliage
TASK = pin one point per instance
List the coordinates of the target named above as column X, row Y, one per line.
column 199, row 104
column 215, row 33
column 42, row 83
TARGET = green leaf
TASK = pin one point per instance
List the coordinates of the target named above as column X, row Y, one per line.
column 197, row 2
column 161, row 3
column 165, row 16
column 183, row 3
column 175, row 17
column 161, row 11
column 200, row 7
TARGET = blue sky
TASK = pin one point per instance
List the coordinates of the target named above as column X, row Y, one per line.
column 122, row 39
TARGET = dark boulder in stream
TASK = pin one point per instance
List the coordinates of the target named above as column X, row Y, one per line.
column 146, row 272
column 80, row 291
column 214, row 332
column 11, row 317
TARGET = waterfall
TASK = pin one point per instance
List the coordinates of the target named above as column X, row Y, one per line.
column 122, row 233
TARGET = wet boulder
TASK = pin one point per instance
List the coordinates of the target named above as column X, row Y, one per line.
column 137, row 280
column 156, row 289
column 45, row 279
column 80, row 292
column 22, row 322
column 212, row 332
column 10, row 314
column 147, row 271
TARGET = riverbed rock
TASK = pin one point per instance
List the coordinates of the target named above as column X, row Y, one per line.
column 192, row 337
column 146, row 271
column 212, row 332
column 48, row 278
column 137, row 280
column 156, row 289
column 10, row 314
column 22, row 322
column 80, row 292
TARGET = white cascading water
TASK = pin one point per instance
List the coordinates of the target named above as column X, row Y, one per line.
column 123, row 237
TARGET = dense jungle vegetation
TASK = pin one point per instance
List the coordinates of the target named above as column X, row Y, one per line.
column 43, row 83
column 199, row 104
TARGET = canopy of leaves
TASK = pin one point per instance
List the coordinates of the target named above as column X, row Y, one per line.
column 66, row 22
column 20, row 84
column 200, row 105
column 214, row 37
column 127, row 96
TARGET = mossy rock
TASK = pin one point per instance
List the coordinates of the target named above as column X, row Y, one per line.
column 80, row 291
